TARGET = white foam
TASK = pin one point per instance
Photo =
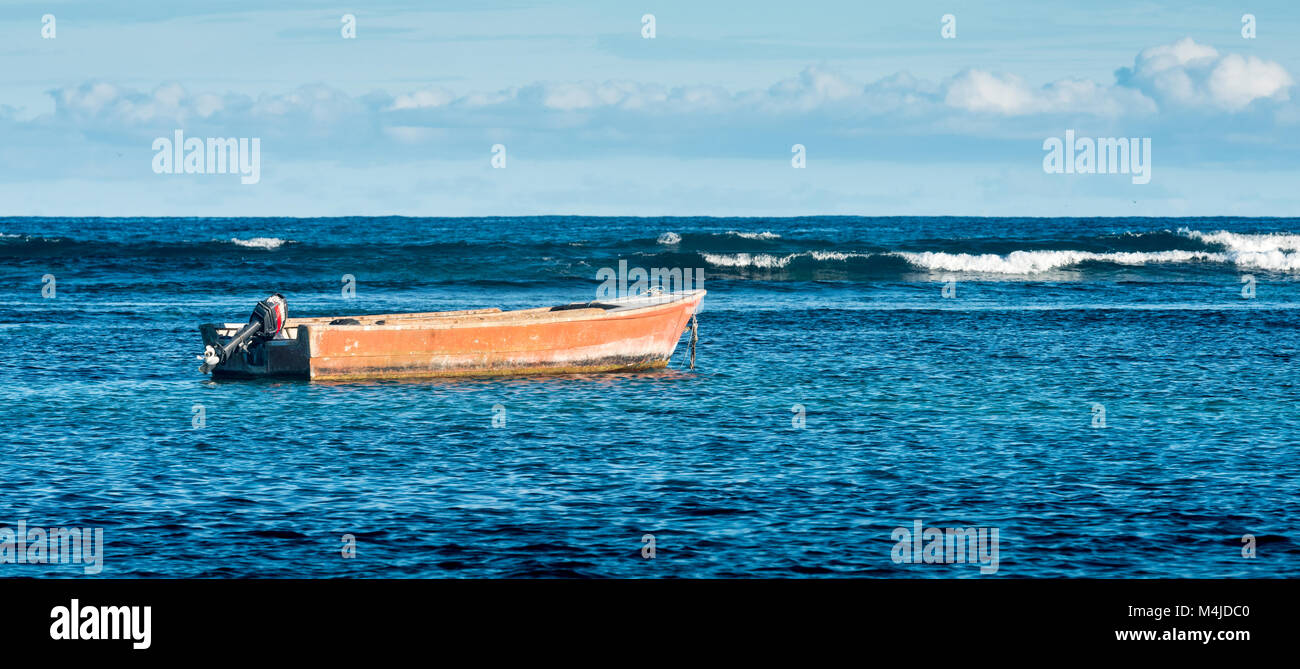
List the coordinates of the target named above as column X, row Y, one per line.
column 1247, row 243
column 1034, row 262
column 836, row 255
column 1270, row 260
column 670, row 238
column 761, row 260
column 1270, row 252
column 770, row 261
column 754, row 235
column 268, row 243
column 1266, row 251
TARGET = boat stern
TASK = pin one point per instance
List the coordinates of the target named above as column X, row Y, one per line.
column 286, row 356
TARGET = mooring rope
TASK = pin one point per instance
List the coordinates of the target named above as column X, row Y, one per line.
column 695, row 336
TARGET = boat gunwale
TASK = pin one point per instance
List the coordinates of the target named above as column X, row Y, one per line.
column 491, row 318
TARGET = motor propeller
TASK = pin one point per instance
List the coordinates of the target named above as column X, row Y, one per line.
column 267, row 321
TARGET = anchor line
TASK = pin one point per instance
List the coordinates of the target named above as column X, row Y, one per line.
column 694, row 338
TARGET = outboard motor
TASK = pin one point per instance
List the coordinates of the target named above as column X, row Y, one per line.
column 266, row 322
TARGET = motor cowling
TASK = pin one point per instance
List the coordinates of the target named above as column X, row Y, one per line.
column 271, row 313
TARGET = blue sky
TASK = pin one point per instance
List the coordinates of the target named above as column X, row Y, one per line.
column 598, row 120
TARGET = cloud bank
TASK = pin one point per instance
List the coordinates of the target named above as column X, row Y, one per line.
column 1233, row 108
column 1163, row 79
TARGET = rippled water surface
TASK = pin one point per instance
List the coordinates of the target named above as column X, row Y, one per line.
column 979, row 409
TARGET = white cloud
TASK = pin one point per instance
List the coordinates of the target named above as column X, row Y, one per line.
column 317, row 102
column 587, row 95
column 1184, row 74
column 979, row 91
column 423, row 99
column 1181, row 54
column 700, row 98
column 1009, row 95
column 104, row 101
column 1236, row 81
column 1190, row 75
column 815, row 86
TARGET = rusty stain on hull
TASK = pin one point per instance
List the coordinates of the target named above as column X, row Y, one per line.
column 628, row 334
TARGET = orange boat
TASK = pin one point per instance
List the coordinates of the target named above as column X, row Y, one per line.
column 632, row 333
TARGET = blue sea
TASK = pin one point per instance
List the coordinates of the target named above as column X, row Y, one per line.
column 1117, row 397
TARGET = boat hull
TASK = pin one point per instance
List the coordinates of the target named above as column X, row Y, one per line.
column 561, row 340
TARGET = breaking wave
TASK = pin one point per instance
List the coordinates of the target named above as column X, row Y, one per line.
column 268, row 243
column 1034, row 262
column 771, row 261
column 754, row 235
column 1246, row 243
column 1265, row 251
column 1279, row 252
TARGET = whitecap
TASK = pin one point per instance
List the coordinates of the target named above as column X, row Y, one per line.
column 771, row 261
column 1033, row 262
column 268, row 243
column 754, row 235
column 1246, row 242
column 1268, row 260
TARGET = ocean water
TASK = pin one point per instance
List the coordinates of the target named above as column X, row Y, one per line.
column 1118, row 397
